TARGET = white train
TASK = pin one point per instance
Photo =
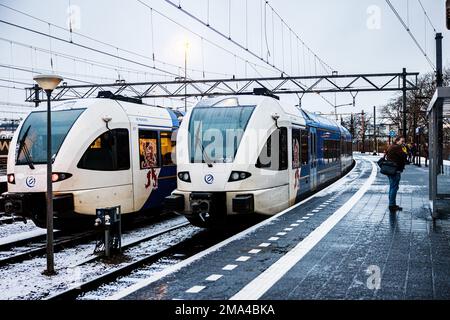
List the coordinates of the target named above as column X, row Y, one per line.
column 107, row 152
column 253, row 154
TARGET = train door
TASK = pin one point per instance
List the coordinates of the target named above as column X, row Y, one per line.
column 313, row 159
column 295, row 166
column 341, row 154
column 154, row 174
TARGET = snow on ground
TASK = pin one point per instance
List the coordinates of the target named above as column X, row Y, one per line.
column 21, row 236
column 16, row 228
column 107, row 290
column 25, row 281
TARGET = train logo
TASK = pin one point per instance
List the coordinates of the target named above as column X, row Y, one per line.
column 30, row 181
column 209, row 179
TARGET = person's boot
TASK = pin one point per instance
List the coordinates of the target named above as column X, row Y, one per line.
column 395, row 208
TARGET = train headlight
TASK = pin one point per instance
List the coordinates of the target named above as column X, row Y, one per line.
column 60, row 176
column 238, row 175
column 184, row 176
column 11, row 178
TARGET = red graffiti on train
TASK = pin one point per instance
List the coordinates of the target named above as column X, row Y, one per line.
column 152, row 179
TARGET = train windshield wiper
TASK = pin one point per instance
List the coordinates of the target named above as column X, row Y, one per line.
column 205, row 156
column 23, row 147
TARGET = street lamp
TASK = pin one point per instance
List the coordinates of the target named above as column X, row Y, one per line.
column 48, row 83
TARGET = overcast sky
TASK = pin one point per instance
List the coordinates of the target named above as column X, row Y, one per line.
column 352, row 36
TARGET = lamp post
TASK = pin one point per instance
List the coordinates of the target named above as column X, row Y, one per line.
column 48, row 83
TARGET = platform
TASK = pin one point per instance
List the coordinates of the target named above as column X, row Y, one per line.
column 342, row 243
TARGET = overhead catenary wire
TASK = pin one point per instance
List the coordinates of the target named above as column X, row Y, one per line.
column 220, row 33
column 282, row 20
column 75, row 33
column 231, row 53
column 411, row 34
column 72, row 57
column 427, row 16
column 152, row 58
column 265, row 34
column 86, row 47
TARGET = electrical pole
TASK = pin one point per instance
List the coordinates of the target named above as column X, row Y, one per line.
column 36, row 95
column 439, row 83
column 375, row 151
column 363, row 132
column 352, row 126
column 404, row 104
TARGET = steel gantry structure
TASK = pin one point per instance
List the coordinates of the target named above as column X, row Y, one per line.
column 186, row 88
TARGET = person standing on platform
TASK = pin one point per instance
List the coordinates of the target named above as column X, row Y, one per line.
column 414, row 153
column 396, row 154
column 425, row 154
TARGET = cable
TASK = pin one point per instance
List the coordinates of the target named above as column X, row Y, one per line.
column 265, row 34
column 86, row 47
column 101, row 42
column 15, row 104
column 411, row 34
column 282, row 20
column 219, row 33
column 426, row 15
column 15, row 81
column 199, row 36
column 8, row 87
column 18, row 68
column 83, row 60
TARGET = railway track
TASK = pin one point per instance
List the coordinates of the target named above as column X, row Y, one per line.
column 19, row 251
column 30, row 247
column 6, row 218
column 144, row 263
column 74, row 292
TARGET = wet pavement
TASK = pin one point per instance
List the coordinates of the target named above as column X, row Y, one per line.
column 342, row 243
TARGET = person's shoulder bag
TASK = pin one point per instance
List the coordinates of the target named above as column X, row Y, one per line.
column 387, row 167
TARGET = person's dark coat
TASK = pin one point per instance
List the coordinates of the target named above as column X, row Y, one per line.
column 395, row 154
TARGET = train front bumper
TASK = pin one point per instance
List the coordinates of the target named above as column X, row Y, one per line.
column 263, row 201
column 33, row 205
column 209, row 203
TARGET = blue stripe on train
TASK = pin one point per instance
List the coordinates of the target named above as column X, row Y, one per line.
column 165, row 186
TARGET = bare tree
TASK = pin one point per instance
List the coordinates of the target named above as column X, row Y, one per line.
column 417, row 102
column 358, row 125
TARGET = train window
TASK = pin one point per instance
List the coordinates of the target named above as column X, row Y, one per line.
column 167, row 145
column 304, row 148
column 296, row 148
column 148, row 149
column 109, row 152
column 331, row 152
column 274, row 154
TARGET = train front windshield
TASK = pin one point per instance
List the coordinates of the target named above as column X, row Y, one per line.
column 32, row 141
column 216, row 132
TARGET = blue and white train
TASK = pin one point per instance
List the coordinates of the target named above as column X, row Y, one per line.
column 107, row 151
column 253, row 154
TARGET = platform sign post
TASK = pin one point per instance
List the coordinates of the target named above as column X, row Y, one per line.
column 110, row 222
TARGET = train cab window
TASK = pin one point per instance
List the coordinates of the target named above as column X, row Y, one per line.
column 304, row 147
column 108, row 152
column 274, row 154
column 167, row 145
column 296, row 163
column 148, row 149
